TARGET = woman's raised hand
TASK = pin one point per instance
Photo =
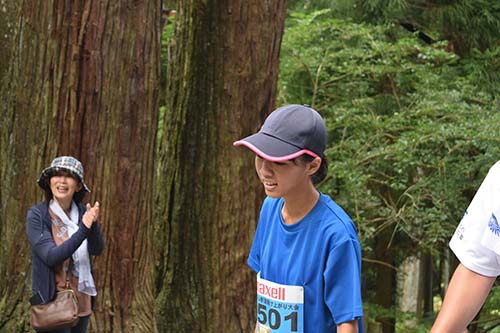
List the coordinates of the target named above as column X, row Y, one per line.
column 91, row 215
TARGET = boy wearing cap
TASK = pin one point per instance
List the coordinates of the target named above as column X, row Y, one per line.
column 306, row 251
column 63, row 234
column 476, row 243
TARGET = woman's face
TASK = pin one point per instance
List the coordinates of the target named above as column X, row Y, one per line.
column 283, row 178
column 64, row 186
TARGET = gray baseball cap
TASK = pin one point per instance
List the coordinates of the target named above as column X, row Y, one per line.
column 287, row 133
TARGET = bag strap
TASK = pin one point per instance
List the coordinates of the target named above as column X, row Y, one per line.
column 68, row 273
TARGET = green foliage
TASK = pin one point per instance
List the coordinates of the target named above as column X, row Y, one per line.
column 470, row 23
column 466, row 24
column 412, row 131
column 483, row 70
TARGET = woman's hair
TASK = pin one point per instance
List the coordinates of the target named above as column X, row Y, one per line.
column 320, row 175
column 48, row 196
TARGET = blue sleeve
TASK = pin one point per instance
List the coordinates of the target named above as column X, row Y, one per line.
column 343, row 282
column 42, row 243
column 254, row 256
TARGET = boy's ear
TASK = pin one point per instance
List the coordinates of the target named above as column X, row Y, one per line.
column 313, row 166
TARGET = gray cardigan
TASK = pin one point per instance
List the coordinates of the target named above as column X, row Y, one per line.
column 46, row 255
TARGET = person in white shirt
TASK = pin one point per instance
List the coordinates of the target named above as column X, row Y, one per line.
column 476, row 243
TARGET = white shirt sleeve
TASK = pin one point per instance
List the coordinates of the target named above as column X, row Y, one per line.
column 476, row 241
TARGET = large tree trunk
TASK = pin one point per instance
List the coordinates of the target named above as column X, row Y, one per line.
column 83, row 81
column 221, row 85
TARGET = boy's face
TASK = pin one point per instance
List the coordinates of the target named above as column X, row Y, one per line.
column 283, row 178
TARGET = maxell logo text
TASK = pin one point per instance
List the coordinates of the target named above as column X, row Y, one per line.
column 276, row 293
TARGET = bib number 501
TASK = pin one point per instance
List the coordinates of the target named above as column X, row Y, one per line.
column 272, row 318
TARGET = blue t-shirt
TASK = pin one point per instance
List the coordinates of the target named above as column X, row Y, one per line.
column 321, row 252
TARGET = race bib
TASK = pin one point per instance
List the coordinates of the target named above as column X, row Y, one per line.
column 280, row 308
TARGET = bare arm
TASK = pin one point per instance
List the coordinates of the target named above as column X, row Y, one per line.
column 464, row 298
column 348, row 327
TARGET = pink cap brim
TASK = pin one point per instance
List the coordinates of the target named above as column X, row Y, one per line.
column 273, row 158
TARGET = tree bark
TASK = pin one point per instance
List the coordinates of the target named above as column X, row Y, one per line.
column 83, row 81
column 409, row 289
column 8, row 8
column 221, row 85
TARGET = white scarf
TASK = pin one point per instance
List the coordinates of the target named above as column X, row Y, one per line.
column 81, row 260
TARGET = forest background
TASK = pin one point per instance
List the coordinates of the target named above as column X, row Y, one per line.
column 150, row 102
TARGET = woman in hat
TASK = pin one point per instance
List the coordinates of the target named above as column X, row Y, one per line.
column 63, row 235
column 306, row 251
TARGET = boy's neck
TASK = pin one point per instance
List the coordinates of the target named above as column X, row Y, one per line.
column 297, row 207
